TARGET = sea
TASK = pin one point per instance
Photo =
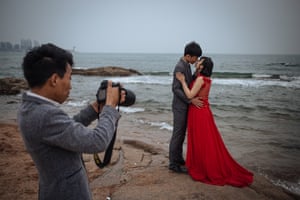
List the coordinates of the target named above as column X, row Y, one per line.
column 255, row 100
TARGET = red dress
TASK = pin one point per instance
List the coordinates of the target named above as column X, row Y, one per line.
column 207, row 158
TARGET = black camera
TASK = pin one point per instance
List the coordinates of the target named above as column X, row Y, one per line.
column 101, row 98
column 101, row 94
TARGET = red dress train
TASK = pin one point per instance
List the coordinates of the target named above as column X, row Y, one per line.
column 207, row 159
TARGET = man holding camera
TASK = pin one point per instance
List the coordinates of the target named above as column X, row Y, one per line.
column 54, row 140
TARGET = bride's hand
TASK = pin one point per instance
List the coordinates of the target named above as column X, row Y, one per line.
column 180, row 76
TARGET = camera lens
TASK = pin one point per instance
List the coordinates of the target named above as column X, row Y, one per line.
column 130, row 98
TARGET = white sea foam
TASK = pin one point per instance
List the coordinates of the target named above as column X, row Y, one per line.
column 262, row 76
column 161, row 125
column 293, row 187
column 256, row 81
column 131, row 109
column 295, row 83
column 163, row 80
column 76, row 103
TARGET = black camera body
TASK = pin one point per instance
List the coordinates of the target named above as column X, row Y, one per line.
column 101, row 98
column 101, row 94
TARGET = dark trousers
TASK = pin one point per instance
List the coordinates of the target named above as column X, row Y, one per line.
column 178, row 136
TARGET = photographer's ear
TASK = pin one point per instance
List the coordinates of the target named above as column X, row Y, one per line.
column 53, row 80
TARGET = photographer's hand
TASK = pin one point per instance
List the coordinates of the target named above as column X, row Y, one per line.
column 112, row 95
column 97, row 107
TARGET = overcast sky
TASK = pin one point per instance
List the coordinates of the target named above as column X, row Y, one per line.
column 156, row 26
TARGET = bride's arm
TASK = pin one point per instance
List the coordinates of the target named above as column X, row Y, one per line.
column 195, row 89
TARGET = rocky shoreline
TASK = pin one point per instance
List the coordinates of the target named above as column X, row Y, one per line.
column 106, row 71
column 138, row 170
column 12, row 85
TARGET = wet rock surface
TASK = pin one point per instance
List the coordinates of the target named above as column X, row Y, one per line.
column 12, row 86
column 106, row 71
column 138, row 170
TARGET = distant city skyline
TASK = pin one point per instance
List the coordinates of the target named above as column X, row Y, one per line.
column 23, row 44
column 158, row 26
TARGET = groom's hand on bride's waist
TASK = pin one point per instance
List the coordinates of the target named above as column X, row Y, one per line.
column 197, row 101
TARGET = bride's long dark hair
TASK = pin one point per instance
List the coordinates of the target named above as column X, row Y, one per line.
column 207, row 67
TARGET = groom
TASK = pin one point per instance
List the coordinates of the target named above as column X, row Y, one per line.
column 180, row 104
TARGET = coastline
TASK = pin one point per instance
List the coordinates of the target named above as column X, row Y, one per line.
column 138, row 170
column 257, row 114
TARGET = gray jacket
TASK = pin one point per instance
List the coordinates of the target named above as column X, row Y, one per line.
column 180, row 101
column 55, row 142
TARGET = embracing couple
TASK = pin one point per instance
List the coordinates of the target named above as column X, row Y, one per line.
column 207, row 158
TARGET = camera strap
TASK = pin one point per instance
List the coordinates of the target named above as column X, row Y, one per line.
column 107, row 155
column 109, row 150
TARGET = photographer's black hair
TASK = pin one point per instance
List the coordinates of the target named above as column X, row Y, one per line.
column 41, row 62
column 207, row 66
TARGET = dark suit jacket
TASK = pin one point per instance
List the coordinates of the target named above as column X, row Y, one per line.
column 180, row 101
column 55, row 142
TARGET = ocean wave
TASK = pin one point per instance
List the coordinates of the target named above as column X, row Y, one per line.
column 147, row 79
column 154, row 73
column 131, row 109
column 290, row 186
column 161, row 125
column 231, row 75
column 215, row 74
column 242, row 79
column 265, row 76
column 286, row 64
column 240, row 107
column 73, row 103
column 259, row 82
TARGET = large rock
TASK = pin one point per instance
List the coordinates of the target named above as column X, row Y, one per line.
column 106, row 71
column 11, row 86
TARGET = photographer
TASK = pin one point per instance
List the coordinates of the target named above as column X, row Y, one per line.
column 54, row 140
